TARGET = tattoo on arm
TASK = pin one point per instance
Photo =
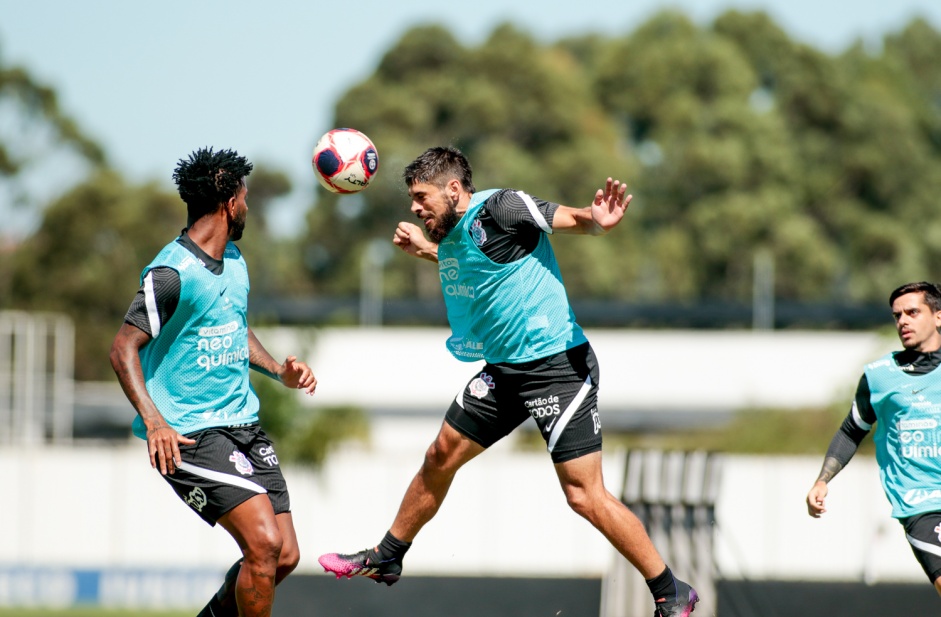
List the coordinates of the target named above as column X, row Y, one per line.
column 830, row 468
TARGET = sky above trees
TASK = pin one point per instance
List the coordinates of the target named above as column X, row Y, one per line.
column 134, row 75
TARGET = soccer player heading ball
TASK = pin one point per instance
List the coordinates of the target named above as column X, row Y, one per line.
column 507, row 305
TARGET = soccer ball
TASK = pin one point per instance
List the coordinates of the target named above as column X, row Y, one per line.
column 345, row 160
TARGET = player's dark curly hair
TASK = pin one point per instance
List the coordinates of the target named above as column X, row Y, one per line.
column 438, row 165
column 931, row 291
column 208, row 179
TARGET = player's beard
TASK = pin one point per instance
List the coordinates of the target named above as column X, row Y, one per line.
column 442, row 228
column 236, row 227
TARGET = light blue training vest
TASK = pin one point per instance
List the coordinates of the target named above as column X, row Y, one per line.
column 908, row 435
column 196, row 366
column 512, row 312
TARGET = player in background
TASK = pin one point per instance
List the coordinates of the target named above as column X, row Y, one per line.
column 507, row 305
column 182, row 357
column 900, row 394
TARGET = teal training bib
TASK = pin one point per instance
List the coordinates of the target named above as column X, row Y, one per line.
column 196, row 367
column 512, row 312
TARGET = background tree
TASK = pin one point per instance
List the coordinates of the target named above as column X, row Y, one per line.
column 272, row 261
column 34, row 132
column 36, row 127
column 85, row 259
column 529, row 123
column 858, row 127
column 737, row 142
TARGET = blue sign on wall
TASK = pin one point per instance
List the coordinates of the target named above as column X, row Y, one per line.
column 23, row 586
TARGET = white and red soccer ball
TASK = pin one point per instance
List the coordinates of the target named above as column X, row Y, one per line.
column 345, row 160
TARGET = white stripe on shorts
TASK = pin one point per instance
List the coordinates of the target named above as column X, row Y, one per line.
column 150, row 301
column 924, row 546
column 568, row 413
column 225, row 478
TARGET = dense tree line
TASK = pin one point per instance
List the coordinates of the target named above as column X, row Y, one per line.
column 736, row 140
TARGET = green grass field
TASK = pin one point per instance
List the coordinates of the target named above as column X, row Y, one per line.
column 89, row 612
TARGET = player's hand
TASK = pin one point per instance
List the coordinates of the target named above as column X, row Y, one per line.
column 410, row 238
column 297, row 375
column 163, row 445
column 815, row 499
column 609, row 205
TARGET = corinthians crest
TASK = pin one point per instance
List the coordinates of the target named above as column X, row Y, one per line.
column 242, row 464
column 481, row 385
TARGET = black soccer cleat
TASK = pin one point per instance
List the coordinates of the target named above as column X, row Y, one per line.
column 679, row 605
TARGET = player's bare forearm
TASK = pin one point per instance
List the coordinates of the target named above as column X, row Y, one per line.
column 291, row 373
column 606, row 210
column 577, row 221
column 429, row 253
column 162, row 439
column 260, row 360
column 125, row 360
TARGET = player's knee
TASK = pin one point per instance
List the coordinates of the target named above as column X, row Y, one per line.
column 440, row 456
column 288, row 559
column 579, row 500
column 588, row 504
column 265, row 547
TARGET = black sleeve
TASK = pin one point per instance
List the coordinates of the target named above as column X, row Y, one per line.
column 520, row 213
column 863, row 405
column 156, row 301
column 855, row 426
column 511, row 224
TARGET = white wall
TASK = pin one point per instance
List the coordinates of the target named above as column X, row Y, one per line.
column 641, row 370
column 765, row 531
column 101, row 508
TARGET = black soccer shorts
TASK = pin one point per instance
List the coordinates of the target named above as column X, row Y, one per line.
column 559, row 392
column 923, row 532
column 227, row 466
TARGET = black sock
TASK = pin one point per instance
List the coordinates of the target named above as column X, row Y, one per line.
column 392, row 548
column 662, row 585
column 213, row 609
column 223, row 602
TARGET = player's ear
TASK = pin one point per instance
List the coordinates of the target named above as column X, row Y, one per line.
column 454, row 188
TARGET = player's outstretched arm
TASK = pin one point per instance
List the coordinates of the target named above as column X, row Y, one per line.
column 291, row 373
column 410, row 238
column 606, row 210
column 163, row 442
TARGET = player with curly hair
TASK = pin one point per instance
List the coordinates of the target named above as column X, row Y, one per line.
column 182, row 357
